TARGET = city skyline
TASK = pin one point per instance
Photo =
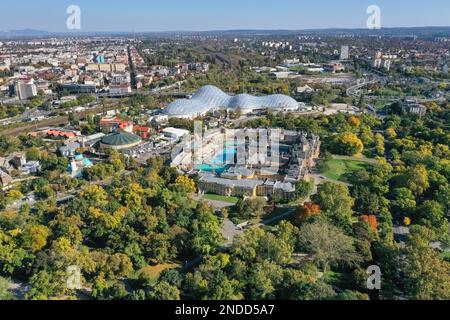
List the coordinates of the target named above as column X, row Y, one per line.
column 199, row 15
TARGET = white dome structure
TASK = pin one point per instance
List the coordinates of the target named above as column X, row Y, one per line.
column 211, row 98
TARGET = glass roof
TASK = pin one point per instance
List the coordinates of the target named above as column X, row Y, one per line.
column 209, row 98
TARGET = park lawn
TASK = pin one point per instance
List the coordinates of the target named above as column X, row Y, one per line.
column 338, row 169
column 216, row 197
column 154, row 271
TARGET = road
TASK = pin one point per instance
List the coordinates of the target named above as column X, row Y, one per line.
column 354, row 90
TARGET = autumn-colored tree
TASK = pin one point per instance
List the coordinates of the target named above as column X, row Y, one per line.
column 379, row 144
column 371, row 220
column 35, row 237
column 354, row 121
column 407, row 221
column 107, row 220
column 416, row 179
column 95, row 194
column 13, row 195
column 348, row 143
column 306, row 211
column 391, row 133
column 186, row 183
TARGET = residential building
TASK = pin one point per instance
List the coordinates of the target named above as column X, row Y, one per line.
column 119, row 89
column 414, row 107
column 344, row 53
column 26, row 90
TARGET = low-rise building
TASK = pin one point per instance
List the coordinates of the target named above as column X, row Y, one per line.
column 69, row 149
column 120, row 141
column 333, row 67
column 414, row 107
column 175, row 133
column 75, row 88
column 5, row 178
column 119, row 89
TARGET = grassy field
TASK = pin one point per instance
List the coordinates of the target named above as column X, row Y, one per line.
column 216, row 197
column 154, row 271
column 339, row 169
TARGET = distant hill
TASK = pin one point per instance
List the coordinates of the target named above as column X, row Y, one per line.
column 395, row 32
column 417, row 31
column 24, row 33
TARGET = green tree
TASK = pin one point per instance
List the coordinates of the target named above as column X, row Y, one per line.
column 5, row 290
column 328, row 245
column 416, row 179
column 164, row 291
column 206, row 230
column 257, row 245
column 379, row 144
column 335, row 202
column 303, row 189
column 425, row 272
column 404, row 200
column 431, row 215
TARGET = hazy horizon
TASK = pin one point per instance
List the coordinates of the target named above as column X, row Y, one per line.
column 201, row 15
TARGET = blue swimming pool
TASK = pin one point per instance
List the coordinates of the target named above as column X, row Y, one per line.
column 220, row 162
column 225, row 157
column 211, row 168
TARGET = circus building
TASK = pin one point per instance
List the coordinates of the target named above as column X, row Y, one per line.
column 120, row 141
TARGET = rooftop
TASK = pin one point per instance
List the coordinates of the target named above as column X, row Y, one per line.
column 121, row 139
column 210, row 98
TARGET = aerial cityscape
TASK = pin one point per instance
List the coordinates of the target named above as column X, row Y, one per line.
column 195, row 157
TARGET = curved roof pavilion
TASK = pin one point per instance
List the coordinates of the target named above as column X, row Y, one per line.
column 120, row 140
column 211, row 98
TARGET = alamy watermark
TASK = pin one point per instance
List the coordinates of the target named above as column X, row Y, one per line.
column 73, row 281
column 374, row 280
column 73, row 22
column 374, row 19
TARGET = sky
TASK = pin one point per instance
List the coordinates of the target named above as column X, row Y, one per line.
column 203, row 15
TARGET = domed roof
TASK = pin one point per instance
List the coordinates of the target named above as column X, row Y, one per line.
column 210, row 92
column 121, row 139
column 210, row 98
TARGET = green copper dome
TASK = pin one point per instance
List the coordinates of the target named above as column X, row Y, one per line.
column 121, row 139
